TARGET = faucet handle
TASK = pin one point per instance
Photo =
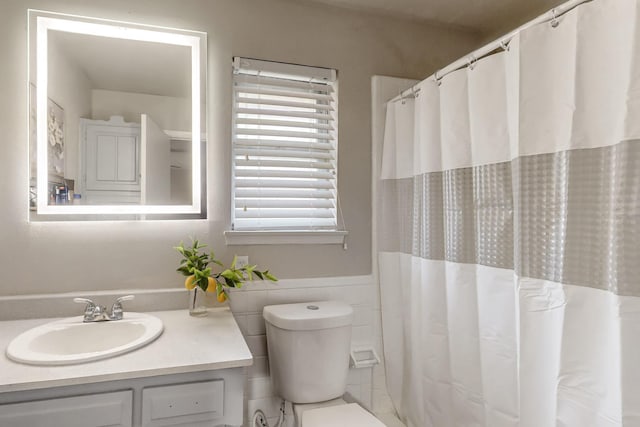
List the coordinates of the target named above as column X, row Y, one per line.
column 116, row 308
column 125, row 298
column 90, row 308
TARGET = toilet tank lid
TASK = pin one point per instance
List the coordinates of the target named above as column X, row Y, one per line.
column 309, row 315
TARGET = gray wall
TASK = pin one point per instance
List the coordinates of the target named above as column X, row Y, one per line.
column 59, row 257
column 170, row 113
column 71, row 88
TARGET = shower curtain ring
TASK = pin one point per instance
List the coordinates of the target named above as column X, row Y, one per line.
column 402, row 101
column 554, row 19
column 436, row 78
column 504, row 45
column 472, row 62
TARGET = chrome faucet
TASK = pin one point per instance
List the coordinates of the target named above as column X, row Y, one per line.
column 98, row 313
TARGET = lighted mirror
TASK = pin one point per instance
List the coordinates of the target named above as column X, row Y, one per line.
column 117, row 125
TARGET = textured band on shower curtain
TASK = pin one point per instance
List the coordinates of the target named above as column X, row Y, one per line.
column 596, row 241
column 509, row 244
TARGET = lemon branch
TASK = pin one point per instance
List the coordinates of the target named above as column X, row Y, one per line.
column 196, row 265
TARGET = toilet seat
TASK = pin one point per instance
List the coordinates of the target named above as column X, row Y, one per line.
column 347, row 415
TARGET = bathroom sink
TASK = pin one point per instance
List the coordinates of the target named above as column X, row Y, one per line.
column 69, row 341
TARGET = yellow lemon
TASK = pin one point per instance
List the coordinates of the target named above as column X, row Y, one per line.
column 189, row 282
column 222, row 297
column 212, row 285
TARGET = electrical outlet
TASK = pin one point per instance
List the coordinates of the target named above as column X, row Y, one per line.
column 241, row 261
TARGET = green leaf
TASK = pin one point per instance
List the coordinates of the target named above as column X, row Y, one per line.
column 270, row 276
column 233, row 263
column 227, row 274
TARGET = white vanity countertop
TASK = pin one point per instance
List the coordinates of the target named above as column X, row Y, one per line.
column 188, row 344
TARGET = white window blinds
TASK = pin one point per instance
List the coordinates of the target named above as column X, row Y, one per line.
column 284, row 146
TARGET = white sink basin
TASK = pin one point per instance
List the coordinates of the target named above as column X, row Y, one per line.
column 69, row 341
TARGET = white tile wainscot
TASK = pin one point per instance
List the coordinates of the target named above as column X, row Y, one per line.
column 247, row 304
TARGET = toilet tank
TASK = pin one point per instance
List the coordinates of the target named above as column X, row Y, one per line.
column 309, row 346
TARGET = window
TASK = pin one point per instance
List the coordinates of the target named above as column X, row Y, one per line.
column 284, row 147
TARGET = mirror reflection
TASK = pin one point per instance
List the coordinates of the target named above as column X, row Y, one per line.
column 119, row 109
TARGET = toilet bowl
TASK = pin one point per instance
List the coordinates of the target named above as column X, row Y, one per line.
column 308, row 345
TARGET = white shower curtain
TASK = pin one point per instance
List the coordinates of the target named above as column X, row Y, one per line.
column 509, row 242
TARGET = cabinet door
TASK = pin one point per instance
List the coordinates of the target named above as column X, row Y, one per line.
column 93, row 410
column 155, row 168
column 112, row 157
column 192, row 404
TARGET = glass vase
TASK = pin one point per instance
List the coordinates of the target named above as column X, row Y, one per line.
column 196, row 302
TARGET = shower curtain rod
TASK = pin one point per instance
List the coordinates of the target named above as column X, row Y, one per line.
column 501, row 42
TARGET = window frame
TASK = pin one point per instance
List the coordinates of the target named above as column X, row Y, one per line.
column 266, row 235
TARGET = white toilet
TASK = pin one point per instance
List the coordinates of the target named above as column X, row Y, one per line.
column 309, row 347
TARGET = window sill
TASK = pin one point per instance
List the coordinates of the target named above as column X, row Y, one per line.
column 320, row 237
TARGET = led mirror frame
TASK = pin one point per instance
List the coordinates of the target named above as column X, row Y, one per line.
column 113, row 29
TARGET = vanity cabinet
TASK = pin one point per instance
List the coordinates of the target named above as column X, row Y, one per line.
column 93, row 410
column 193, row 375
column 210, row 398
